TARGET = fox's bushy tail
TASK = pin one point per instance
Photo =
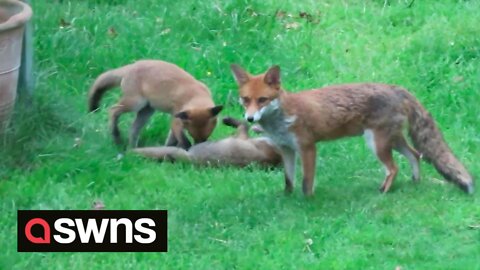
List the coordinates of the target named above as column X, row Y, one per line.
column 429, row 141
column 104, row 82
column 164, row 153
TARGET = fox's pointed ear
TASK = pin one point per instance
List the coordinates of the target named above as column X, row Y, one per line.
column 272, row 77
column 241, row 76
column 216, row 110
column 183, row 115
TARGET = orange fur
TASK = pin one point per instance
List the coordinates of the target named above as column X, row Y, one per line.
column 150, row 85
column 296, row 121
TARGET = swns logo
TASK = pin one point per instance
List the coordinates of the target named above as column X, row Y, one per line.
column 92, row 231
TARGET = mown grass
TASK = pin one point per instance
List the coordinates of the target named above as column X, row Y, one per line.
column 229, row 218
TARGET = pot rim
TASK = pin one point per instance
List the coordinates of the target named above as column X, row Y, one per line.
column 18, row 19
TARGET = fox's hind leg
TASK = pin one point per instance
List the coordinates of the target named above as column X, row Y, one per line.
column 126, row 104
column 411, row 154
column 142, row 118
column 115, row 112
column 308, row 155
column 384, row 154
column 381, row 144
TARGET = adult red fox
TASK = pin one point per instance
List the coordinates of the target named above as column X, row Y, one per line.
column 150, row 85
column 296, row 121
column 238, row 150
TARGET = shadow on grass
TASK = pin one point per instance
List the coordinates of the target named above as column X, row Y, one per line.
column 31, row 126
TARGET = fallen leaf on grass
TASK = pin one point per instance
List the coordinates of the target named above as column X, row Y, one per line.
column 251, row 12
column 438, row 181
column 304, row 14
column 63, row 23
column 77, row 142
column 292, row 25
column 457, row 79
column 309, row 17
column 474, row 226
column 308, row 243
column 219, row 240
column 112, row 32
column 165, row 31
column 280, row 14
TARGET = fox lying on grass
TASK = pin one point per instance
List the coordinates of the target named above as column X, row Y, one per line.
column 150, row 85
column 296, row 121
column 238, row 150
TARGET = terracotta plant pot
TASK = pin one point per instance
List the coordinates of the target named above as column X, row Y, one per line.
column 13, row 17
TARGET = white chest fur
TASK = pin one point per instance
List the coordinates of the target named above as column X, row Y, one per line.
column 276, row 125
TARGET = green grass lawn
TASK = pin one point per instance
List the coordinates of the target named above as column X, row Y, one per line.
column 57, row 156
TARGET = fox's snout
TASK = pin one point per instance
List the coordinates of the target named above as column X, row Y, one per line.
column 253, row 117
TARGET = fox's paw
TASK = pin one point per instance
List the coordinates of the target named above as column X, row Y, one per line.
column 383, row 188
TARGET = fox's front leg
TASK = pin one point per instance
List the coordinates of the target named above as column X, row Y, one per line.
column 308, row 156
column 177, row 136
column 288, row 157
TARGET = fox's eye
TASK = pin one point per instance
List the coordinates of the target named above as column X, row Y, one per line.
column 246, row 100
column 262, row 100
